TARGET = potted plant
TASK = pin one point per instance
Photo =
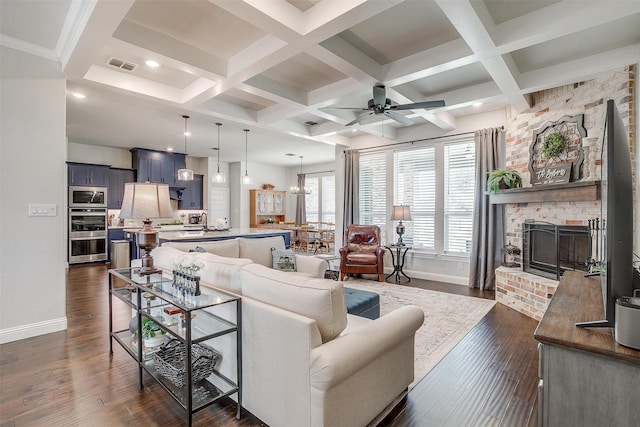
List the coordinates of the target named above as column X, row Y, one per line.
column 553, row 145
column 502, row 179
column 152, row 333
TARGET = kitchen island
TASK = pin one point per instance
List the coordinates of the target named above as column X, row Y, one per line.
column 211, row 235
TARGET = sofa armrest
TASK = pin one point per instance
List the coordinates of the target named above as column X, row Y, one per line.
column 337, row 360
column 311, row 265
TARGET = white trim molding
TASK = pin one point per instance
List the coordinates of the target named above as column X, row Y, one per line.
column 32, row 330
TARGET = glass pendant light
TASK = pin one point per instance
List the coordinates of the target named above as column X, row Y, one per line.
column 185, row 174
column 300, row 190
column 246, row 179
column 218, row 177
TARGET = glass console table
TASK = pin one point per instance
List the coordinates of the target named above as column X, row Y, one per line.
column 205, row 317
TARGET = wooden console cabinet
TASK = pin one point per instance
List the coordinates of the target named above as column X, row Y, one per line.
column 267, row 206
column 586, row 377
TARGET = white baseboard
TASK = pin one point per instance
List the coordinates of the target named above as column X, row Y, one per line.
column 32, row 330
column 425, row 275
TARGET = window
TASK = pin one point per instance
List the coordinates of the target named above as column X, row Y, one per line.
column 436, row 179
column 321, row 202
column 459, row 184
column 329, row 199
column 415, row 185
column 311, row 200
column 373, row 190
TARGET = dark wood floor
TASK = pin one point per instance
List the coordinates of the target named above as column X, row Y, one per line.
column 69, row 379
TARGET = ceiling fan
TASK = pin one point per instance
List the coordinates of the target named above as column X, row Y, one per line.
column 380, row 104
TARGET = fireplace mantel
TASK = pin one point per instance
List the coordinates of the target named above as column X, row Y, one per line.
column 571, row 192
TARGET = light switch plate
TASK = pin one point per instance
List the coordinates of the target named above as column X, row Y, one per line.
column 42, row 209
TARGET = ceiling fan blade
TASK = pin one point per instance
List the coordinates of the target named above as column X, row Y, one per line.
column 353, row 122
column 418, row 105
column 345, row 108
column 379, row 95
column 399, row 118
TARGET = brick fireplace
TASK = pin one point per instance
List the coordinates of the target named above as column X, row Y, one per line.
column 523, row 291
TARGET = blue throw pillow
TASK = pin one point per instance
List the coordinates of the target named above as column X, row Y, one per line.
column 198, row 249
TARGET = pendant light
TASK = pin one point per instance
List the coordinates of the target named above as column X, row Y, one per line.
column 246, row 179
column 185, row 174
column 218, row 177
column 300, row 190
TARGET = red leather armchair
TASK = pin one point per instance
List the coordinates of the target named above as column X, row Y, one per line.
column 362, row 253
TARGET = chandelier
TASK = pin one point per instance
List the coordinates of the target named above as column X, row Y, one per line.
column 297, row 189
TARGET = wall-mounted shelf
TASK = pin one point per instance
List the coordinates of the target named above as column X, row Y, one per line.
column 571, row 192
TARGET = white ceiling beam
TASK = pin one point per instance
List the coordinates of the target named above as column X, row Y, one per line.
column 445, row 57
column 345, row 58
column 278, row 90
column 87, row 28
column 557, row 20
column 264, row 47
column 167, row 46
column 476, row 33
column 579, row 69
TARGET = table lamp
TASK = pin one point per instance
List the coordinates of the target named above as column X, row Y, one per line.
column 400, row 213
column 146, row 201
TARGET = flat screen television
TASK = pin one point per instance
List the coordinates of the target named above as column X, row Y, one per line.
column 617, row 214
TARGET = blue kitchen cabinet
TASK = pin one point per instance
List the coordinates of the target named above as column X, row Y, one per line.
column 84, row 174
column 192, row 198
column 117, row 179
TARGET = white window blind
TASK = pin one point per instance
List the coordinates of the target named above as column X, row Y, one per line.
column 311, row 200
column 373, row 190
column 415, row 185
column 329, row 199
column 459, row 182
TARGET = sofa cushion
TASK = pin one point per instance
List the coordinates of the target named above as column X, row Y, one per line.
column 362, row 258
column 226, row 248
column 259, row 249
column 318, row 299
column 165, row 256
column 221, row 272
column 284, row 259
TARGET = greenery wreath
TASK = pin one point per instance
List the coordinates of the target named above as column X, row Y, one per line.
column 553, row 145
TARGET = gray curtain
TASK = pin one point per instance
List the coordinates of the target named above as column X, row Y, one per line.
column 351, row 188
column 488, row 225
column 301, row 203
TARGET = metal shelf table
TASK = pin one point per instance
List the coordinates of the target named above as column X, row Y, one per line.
column 128, row 287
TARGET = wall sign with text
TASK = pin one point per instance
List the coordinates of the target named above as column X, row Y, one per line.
column 556, row 174
column 566, row 166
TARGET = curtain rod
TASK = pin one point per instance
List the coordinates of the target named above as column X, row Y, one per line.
column 418, row 140
column 313, row 173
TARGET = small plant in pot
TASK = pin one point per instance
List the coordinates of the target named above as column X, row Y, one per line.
column 503, row 179
column 152, row 333
column 553, row 145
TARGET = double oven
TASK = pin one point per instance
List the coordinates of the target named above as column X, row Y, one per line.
column 87, row 224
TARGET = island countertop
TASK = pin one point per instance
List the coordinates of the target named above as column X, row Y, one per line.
column 200, row 235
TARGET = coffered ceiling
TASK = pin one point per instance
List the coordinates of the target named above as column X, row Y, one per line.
column 277, row 67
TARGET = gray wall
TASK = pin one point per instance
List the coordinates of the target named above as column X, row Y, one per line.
column 32, row 170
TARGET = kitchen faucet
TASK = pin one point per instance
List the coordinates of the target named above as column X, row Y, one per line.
column 203, row 219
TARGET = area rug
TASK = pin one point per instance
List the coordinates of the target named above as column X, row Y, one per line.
column 447, row 318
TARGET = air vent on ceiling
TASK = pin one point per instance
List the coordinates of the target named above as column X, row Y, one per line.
column 122, row 64
column 310, row 123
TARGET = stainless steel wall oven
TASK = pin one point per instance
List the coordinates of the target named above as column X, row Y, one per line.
column 87, row 224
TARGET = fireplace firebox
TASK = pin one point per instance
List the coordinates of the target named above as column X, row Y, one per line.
column 549, row 249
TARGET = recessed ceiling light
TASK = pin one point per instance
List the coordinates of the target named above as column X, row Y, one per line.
column 79, row 95
column 477, row 104
column 169, row 148
column 187, row 133
column 152, row 64
column 354, row 130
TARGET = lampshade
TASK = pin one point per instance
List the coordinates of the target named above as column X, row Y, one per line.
column 218, row 177
column 401, row 213
column 146, row 201
column 185, row 174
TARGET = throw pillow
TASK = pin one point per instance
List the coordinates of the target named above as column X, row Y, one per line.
column 284, row 259
column 198, row 249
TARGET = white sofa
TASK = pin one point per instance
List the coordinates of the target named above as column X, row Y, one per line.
column 305, row 361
